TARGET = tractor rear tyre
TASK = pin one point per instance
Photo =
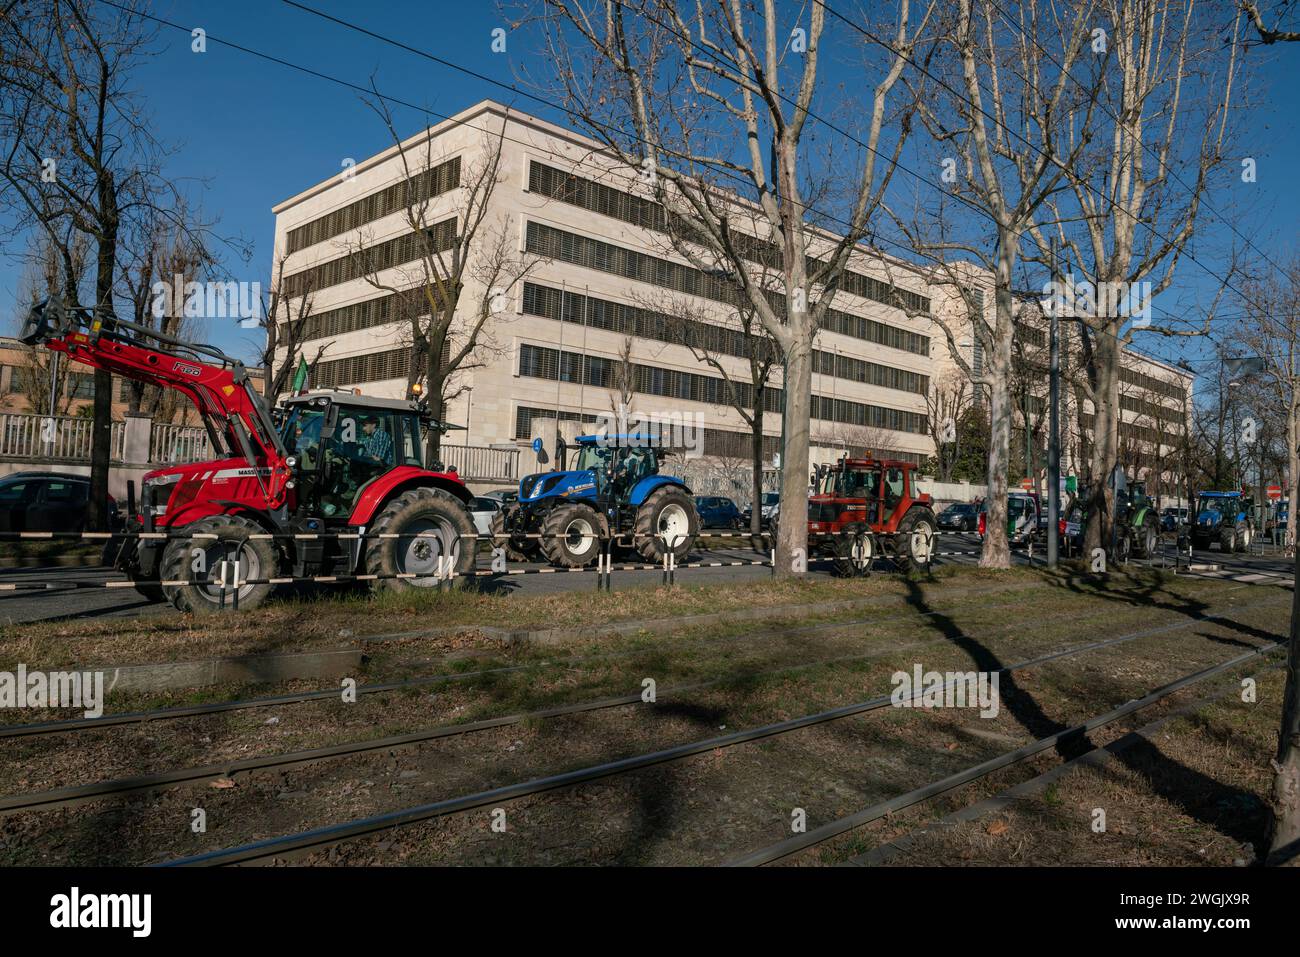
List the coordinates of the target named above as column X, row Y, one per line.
column 914, row 540
column 1243, row 537
column 854, row 553
column 151, row 591
column 668, row 513
column 570, row 535
column 196, row 560
column 1228, row 539
column 430, row 524
column 517, row 550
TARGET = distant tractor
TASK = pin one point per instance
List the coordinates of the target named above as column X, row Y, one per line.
column 1223, row 517
column 1137, row 527
column 614, row 491
column 861, row 502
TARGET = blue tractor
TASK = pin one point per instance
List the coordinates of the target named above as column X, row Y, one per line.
column 1223, row 517
column 613, row 490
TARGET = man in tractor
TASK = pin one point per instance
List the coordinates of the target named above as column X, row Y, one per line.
column 377, row 446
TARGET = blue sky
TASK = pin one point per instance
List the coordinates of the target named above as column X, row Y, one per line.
column 250, row 133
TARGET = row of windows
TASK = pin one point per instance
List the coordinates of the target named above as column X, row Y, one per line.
column 79, row 385
column 1129, row 431
column 359, row 315
column 371, row 367
column 369, row 260
column 543, row 363
column 564, row 306
column 1141, row 380
column 722, row 443
column 599, row 198
column 1131, row 403
column 594, row 254
column 400, row 195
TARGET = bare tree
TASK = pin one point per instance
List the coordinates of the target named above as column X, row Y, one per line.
column 1022, row 120
column 286, row 323
column 1129, row 213
column 1266, row 33
column 946, row 403
column 719, row 348
column 455, row 291
column 76, row 154
column 671, row 93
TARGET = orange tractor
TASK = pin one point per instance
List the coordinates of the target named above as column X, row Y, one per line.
column 865, row 507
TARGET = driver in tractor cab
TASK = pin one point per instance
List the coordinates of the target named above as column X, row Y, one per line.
column 377, row 445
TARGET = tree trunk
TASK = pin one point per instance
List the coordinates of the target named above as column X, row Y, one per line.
column 997, row 551
column 1105, row 442
column 792, row 526
column 102, row 439
column 756, row 438
column 1284, row 846
column 1293, row 463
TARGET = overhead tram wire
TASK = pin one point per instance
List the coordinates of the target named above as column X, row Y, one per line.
column 1172, row 170
column 984, row 112
column 573, row 114
column 426, row 111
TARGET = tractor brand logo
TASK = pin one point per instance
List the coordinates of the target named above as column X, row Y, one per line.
column 195, row 371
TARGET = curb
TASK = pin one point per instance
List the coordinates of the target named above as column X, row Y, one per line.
column 249, row 669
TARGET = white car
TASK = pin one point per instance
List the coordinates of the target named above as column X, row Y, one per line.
column 483, row 509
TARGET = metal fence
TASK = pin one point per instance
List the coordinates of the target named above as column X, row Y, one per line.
column 63, row 437
column 481, row 463
column 178, row 444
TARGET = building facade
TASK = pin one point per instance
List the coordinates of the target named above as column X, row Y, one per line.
column 602, row 317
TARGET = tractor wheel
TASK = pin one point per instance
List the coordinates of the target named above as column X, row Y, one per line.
column 429, row 524
column 1148, row 540
column 854, row 553
column 154, row 592
column 196, row 560
column 569, row 535
column 668, row 513
column 517, row 550
column 1243, row 537
column 1228, row 539
column 914, row 540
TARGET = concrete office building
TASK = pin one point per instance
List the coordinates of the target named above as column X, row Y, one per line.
column 600, row 313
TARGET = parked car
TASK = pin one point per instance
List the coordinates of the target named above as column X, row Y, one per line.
column 1022, row 518
column 1172, row 517
column 48, row 502
column 767, row 509
column 717, row 511
column 961, row 516
column 483, row 509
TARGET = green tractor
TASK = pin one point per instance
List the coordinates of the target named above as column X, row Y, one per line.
column 1137, row 522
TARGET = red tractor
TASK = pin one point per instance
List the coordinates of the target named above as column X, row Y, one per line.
column 332, row 483
column 862, row 502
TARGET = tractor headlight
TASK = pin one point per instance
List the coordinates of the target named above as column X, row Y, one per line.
column 291, row 461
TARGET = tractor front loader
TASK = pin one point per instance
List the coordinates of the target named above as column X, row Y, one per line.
column 332, row 484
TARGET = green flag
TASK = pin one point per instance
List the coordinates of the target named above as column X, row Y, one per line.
column 300, row 375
